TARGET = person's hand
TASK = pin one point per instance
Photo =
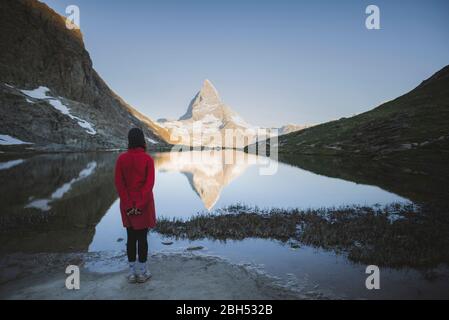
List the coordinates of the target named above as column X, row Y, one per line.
column 130, row 211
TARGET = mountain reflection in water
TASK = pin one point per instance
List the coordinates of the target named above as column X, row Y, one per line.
column 53, row 202
column 68, row 203
column 207, row 172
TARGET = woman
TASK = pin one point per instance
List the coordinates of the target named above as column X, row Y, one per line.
column 134, row 180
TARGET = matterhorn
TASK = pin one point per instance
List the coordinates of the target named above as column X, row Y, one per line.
column 209, row 122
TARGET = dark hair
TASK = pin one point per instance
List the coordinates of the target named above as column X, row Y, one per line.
column 136, row 139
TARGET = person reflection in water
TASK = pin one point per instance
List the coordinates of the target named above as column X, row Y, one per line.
column 134, row 180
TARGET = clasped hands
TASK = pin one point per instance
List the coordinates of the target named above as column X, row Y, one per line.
column 133, row 212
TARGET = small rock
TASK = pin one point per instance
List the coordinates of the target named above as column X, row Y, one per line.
column 195, row 248
column 119, row 239
column 407, row 146
column 167, row 243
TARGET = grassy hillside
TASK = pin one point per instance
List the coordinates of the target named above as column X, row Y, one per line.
column 412, row 125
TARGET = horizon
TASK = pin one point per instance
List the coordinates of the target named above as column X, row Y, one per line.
column 290, row 52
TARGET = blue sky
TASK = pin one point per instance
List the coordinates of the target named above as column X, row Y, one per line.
column 274, row 62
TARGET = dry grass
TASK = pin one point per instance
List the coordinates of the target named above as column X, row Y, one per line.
column 396, row 235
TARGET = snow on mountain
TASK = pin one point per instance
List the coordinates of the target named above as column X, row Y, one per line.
column 152, row 141
column 41, row 93
column 210, row 122
column 7, row 140
column 38, row 93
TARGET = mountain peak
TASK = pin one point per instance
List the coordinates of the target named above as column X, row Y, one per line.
column 205, row 100
column 208, row 93
column 208, row 83
column 214, row 118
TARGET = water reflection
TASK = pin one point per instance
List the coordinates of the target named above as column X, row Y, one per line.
column 9, row 164
column 54, row 202
column 421, row 181
column 207, row 172
column 44, row 204
column 219, row 182
column 67, row 202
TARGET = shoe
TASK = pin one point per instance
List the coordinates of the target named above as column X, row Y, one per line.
column 142, row 274
column 143, row 277
column 132, row 273
column 132, row 278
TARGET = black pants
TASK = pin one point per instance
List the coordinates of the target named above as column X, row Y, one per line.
column 137, row 238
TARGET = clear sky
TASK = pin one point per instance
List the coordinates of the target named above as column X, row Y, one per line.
column 274, row 62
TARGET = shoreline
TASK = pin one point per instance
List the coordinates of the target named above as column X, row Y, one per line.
column 175, row 276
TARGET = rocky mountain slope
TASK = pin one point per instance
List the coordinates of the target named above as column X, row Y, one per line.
column 51, row 98
column 208, row 122
column 413, row 125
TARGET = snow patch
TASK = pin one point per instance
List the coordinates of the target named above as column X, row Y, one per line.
column 44, row 204
column 41, row 93
column 152, row 141
column 38, row 93
column 9, row 164
column 240, row 122
column 394, row 217
column 6, row 140
column 58, row 105
column 41, row 204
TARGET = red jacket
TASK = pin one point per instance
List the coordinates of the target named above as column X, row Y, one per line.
column 134, row 180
